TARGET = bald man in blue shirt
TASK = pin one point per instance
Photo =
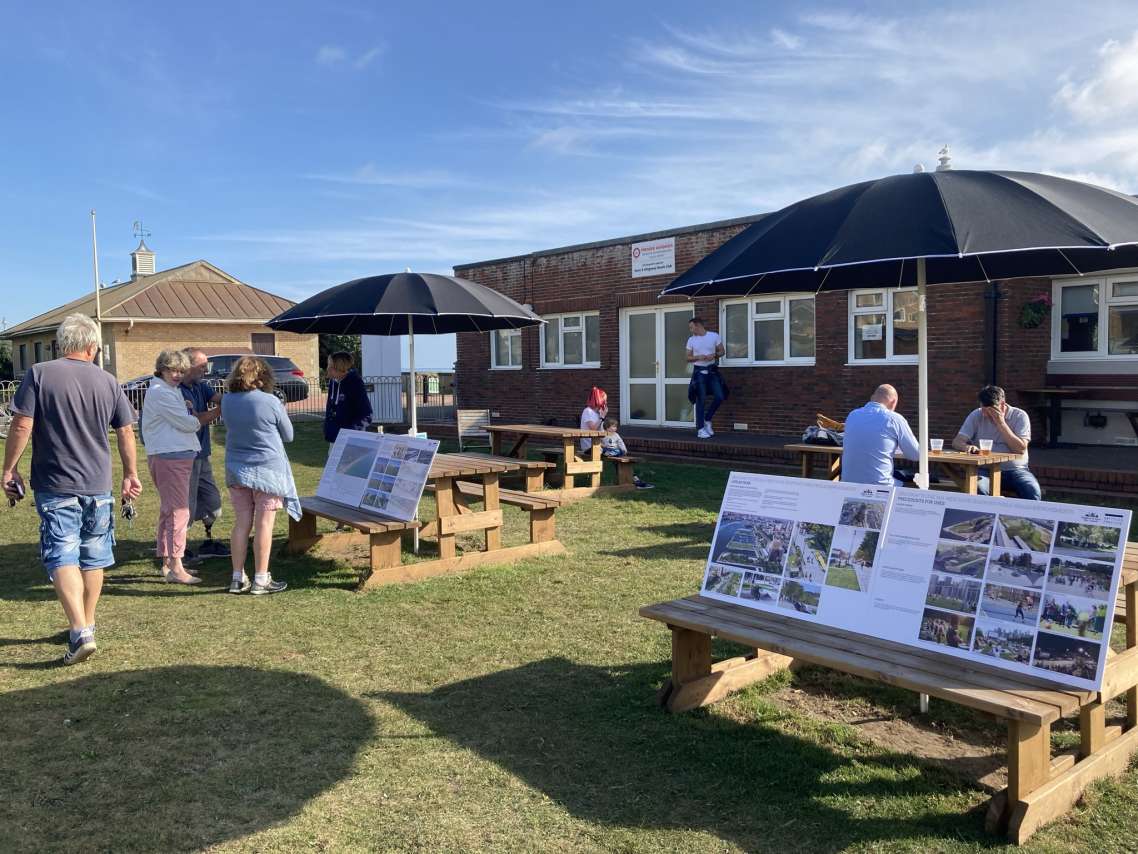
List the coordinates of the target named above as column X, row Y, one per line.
column 873, row 434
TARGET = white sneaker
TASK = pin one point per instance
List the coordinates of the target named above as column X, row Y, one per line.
column 707, row 427
column 701, row 433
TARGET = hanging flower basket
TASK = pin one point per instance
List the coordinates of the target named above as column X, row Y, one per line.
column 1035, row 311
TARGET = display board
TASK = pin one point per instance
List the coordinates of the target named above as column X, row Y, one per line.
column 378, row 473
column 1019, row 585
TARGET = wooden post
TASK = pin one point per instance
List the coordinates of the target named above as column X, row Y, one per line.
column 302, row 533
column 595, row 477
column 836, row 467
column 1131, row 642
column 386, row 549
column 1029, row 758
column 535, row 480
column 971, row 481
column 691, row 656
column 542, row 527
column 624, row 474
column 490, row 496
column 444, row 498
column 496, row 443
column 995, row 479
column 570, row 451
column 1092, row 728
column 807, row 464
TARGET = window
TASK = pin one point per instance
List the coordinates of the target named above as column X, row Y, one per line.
column 571, row 341
column 37, row 348
column 23, row 357
column 1095, row 318
column 768, row 330
column 883, row 326
column 506, row 349
column 263, row 343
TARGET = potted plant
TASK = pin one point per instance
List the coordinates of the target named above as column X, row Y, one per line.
column 1034, row 311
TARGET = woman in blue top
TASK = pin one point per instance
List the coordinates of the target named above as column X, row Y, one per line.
column 257, row 470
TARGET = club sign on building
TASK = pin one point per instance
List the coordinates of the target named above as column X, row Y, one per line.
column 654, row 257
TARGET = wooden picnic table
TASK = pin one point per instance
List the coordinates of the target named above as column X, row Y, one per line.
column 964, row 469
column 534, row 470
column 1050, row 401
column 569, row 465
column 453, row 478
column 1042, row 784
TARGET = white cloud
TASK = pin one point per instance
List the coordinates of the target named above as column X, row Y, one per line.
column 785, row 40
column 336, row 56
column 369, row 175
column 1111, row 90
column 331, row 54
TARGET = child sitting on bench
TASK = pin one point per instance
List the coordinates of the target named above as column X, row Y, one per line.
column 612, row 445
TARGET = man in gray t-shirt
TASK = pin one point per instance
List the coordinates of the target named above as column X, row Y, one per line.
column 1009, row 428
column 65, row 407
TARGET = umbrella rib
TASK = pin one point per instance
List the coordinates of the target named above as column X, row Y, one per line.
column 947, row 215
column 758, row 281
column 1068, row 260
column 980, row 261
column 901, row 273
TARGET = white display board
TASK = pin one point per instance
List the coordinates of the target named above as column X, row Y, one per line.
column 1019, row 585
column 378, row 473
column 653, row 257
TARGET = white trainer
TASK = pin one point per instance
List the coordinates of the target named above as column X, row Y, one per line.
column 707, row 427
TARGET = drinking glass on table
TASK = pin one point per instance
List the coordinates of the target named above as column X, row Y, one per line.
column 936, row 445
column 985, row 447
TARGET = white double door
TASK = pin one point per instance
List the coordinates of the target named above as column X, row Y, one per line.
column 654, row 372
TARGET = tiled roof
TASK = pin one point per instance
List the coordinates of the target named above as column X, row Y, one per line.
column 194, row 291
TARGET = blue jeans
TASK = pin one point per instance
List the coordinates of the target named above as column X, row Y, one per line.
column 1018, row 480
column 706, row 385
column 76, row 530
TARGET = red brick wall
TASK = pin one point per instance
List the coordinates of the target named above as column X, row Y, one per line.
column 770, row 400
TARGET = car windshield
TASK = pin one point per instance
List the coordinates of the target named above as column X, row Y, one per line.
column 279, row 363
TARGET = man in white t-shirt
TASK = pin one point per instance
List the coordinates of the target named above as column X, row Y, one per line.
column 704, row 349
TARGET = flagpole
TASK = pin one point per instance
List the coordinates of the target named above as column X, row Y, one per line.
column 922, row 376
column 98, row 296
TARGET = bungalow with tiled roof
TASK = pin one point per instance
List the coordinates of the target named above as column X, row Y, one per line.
column 195, row 304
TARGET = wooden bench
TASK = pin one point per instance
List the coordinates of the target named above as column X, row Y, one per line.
column 384, row 536
column 1040, row 787
column 625, row 466
column 542, row 525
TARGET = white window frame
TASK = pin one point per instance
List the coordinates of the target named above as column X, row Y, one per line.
column 559, row 365
column 516, row 335
column 784, row 301
column 887, row 310
column 1105, row 302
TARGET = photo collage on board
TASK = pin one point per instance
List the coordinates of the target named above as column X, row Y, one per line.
column 384, row 479
column 1025, row 590
column 786, row 564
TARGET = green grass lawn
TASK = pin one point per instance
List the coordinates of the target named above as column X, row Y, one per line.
column 509, row 708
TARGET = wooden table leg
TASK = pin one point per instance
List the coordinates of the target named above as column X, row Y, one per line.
column 535, row 480
column 836, row 467
column 569, row 452
column 1131, row 642
column 496, row 444
column 595, row 477
column 995, row 480
column 542, row 526
column 807, row 464
column 518, row 451
column 444, row 498
column 691, row 656
column 1029, row 758
column 302, row 534
column 1092, row 728
column 386, row 549
column 490, row 495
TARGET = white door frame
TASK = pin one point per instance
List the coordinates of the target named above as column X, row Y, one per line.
column 661, row 380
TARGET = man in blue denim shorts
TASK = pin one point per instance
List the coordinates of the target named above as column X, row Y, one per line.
column 65, row 407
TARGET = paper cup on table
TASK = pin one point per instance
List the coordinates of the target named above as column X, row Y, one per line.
column 985, row 447
column 936, row 445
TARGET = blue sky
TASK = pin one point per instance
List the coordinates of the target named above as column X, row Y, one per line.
column 297, row 145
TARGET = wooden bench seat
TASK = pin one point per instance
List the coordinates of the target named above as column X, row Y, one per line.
column 532, row 470
column 624, row 464
column 541, row 508
column 384, row 535
column 1041, row 787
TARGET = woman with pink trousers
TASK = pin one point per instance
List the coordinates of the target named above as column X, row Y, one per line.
column 170, row 431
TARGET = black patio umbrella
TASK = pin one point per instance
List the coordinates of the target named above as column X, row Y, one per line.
column 405, row 304
column 924, row 228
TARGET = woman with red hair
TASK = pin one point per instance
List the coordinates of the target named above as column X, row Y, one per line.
column 593, row 415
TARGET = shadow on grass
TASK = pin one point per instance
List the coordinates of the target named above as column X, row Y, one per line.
column 594, row 741
column 169, row 759
column 680, row 541
column 136, row 573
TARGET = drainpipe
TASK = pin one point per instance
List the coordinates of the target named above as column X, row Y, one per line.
column 994, row 296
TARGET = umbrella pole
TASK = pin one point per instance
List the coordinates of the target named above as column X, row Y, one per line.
column 411, row 359
column 922, row 377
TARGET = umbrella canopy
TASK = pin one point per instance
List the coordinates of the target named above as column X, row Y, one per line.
column 924, row 228
column 970, row 226
column 402, row 303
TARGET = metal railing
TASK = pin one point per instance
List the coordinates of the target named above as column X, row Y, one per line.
column 305, row 399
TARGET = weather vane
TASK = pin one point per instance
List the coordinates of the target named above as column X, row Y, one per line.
column 140, row 231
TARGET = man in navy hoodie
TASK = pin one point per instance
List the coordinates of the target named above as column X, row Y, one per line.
column 348, row 407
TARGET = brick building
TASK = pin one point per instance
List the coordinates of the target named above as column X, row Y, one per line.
column 793, row 355
column 195, row 304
